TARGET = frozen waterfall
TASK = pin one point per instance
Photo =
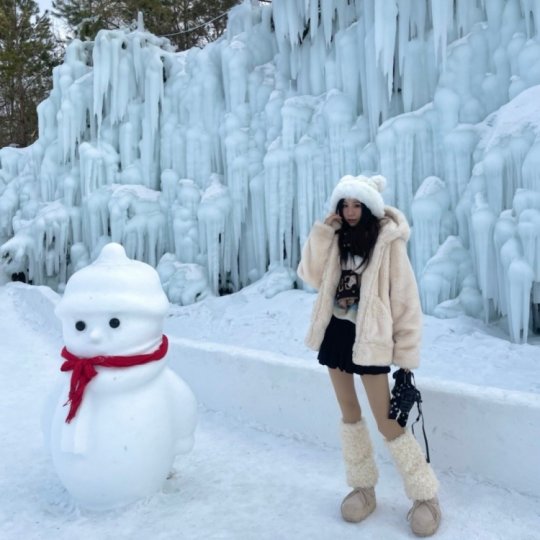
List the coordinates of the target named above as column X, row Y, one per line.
column 212, row 164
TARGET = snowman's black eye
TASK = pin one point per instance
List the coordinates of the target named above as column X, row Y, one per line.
column 80, row 325
column 114, row 323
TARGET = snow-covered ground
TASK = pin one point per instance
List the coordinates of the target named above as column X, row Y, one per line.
column 240, row 482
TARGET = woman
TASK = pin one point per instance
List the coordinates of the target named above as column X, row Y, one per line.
column 367, row 316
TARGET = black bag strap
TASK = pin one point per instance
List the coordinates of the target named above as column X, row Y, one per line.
column 420, row 416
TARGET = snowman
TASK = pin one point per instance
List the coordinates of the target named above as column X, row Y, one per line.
column 121, row 415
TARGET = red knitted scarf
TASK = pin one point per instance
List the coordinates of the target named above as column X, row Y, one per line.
column 84, row 370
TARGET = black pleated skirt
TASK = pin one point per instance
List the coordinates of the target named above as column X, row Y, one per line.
column 336, row 349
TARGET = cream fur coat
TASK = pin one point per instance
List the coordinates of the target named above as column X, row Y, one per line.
column 389, row 320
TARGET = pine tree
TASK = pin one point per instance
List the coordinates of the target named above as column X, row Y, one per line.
column 86, row 18
column 189, row 20
column 27, row 56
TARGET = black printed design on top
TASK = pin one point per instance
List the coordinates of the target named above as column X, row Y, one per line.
column 348, row 289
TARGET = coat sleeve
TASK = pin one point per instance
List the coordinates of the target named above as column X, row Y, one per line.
column 315, row 254
column 405, row 307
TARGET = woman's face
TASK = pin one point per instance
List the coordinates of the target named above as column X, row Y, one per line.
column 352, row 211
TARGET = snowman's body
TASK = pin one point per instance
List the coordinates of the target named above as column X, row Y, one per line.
column 132, row 421
column 122, row 443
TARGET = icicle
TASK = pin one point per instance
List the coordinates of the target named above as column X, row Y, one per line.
column 98, row 166
column 153, row 97
column 443, row 274
column 198, row 162
column 483, row 222
column 525, row 199
column 504, row 231
column 458, row 160
column 348, row 65
column 310, row 199
column 9, row 203
column 235, row 61
column 327, row 16
column 296, row 115
column 531, row 168
column 237, row 178
column 258, row 221
column 185, row 235
column 101, row 61
column 494, row 170
column 295, row 20
column 375, row 85
column 404, row 31
column 528, row 230
column 417, row 20
column 418, row 75
column 126, row 86
column 429, row 206
column 46, row 111
column 213, row 214
column 79, row 257
column 156, row 244
column 95, row 218
column 279, row 201
column 48, row 176
column 385, row 35
column 442, row 15
column 339, row 116
column 466, row 14
column 520, row 277
column 531, row 12
column 281, row 27
column 313, row 19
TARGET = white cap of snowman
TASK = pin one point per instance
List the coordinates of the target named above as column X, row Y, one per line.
column 114, row 282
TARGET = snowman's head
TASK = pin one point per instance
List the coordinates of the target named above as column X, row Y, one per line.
column 113, row 307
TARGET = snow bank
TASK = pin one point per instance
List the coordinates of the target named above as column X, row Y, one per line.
column 482, row 431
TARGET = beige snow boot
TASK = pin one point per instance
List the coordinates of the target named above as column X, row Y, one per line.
column 425, row 517
column 420, row 484
column 360, row 470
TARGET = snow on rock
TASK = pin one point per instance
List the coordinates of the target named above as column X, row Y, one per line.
column 183, row 283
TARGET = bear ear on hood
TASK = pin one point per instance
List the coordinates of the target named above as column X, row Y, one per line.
column 379, row 182
column 366, row 189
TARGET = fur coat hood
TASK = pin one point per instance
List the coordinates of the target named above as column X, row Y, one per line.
column 393, row 226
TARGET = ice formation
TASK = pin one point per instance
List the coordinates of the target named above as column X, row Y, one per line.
column 223, row 157
column 117, row 443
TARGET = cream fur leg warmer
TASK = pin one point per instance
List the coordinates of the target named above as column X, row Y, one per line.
column 418, row 476
column 360, row 466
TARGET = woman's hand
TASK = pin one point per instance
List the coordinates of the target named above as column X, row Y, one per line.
column 334, row 220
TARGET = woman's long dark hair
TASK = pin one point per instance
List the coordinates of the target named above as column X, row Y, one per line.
column 360, row 239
